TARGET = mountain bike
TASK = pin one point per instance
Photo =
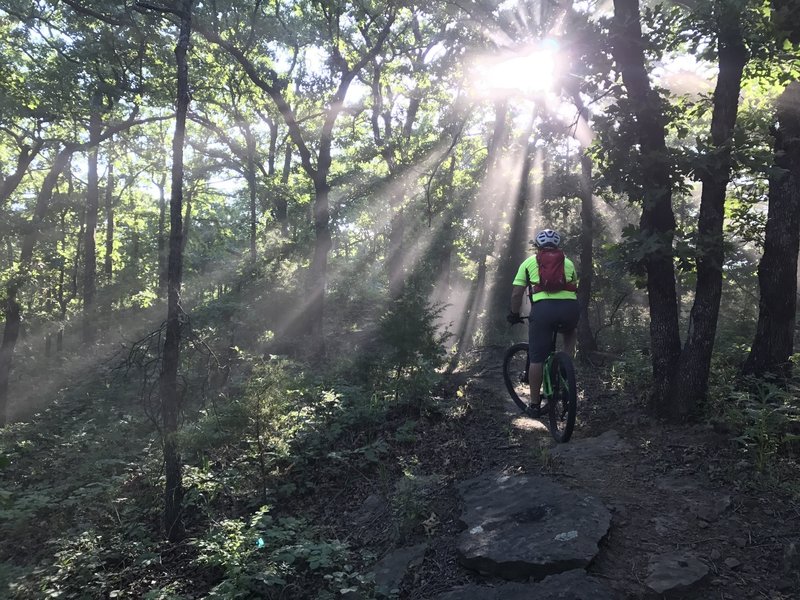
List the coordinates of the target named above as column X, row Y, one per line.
column 559, row 390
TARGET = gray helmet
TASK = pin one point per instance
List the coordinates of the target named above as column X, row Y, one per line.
column 547, row 237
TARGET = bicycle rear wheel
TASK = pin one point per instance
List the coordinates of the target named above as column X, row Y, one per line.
column 515, row 375
column 564, row 403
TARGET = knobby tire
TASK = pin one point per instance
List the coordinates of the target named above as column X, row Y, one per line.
column 515, row 367
column 564, row 403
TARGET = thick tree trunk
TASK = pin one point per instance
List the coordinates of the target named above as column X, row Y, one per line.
column 170, row 395
column 92, row 207
column 777, row 272
column 657, row 223
column 691, row 377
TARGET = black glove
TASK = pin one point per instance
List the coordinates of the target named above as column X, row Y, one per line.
column 514, row 318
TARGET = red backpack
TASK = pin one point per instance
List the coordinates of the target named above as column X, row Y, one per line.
column 552, row 277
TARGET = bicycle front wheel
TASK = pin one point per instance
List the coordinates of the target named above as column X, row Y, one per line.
column 564, row 403
column 515, row 375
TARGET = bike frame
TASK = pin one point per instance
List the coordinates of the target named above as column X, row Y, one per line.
column 547, row 384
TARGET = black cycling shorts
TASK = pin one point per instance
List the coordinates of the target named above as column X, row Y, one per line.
column 546, row 315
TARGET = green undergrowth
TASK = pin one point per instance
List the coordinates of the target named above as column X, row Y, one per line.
column 762, row 417
column 263, row 454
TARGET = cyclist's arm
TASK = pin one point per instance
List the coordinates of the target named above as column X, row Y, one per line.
column 517, row 294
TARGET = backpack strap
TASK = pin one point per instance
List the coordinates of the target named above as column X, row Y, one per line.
column 529, row 285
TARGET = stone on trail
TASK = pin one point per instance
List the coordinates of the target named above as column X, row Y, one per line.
column 391, row 569
column 607, row 444
column 673, row 571
column 572, row 585
column 525, row 526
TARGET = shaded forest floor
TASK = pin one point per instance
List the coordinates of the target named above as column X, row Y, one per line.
column 81, row 484
column 670, row 489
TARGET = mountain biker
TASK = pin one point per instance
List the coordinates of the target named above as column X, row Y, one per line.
column 552, row 282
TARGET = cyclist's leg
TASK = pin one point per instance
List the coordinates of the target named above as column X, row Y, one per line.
column 569, row 313
column 540, row 335
column 570, row 339
column 535, row 376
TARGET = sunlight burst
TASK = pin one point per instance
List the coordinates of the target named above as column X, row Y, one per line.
column 530, row 72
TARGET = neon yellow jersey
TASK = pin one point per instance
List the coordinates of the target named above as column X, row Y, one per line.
column 532, row 268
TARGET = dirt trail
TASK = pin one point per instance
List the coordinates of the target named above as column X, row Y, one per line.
column 670, row 489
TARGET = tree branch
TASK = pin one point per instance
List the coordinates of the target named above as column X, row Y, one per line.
column 273, row 89
column 84, row 10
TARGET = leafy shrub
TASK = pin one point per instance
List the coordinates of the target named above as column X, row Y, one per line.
column 632, row 373
column 411, row 348
column 271, row 557
column 411, row 502
column 767, row 420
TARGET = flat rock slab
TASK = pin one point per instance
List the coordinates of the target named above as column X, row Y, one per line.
column 391, row 569
column 572, row 585
column 607, row 444
column 674, row 571
column 524, row 526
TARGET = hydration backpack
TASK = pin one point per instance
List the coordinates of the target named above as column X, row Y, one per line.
column 552, row 277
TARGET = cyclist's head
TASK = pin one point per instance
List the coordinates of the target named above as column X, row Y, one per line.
column 547, row 238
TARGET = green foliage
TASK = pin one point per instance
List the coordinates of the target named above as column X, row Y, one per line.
column 767, row 421
column 633, row 373
column 411, row 501
column 411, row 347
column 264, row 556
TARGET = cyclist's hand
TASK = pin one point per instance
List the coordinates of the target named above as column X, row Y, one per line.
column 514, row 318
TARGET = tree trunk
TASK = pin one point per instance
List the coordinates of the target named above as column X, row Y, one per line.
column 187, row 216
column 657, row 223
column 252, row 189
column 162, row 242
column 318, row 274
column 446, row 238
column 92, row 207
column 514, row 250
column 586, row 340
column 12, row 315
column 281, row 202
column 691, row 377
column 395, row 263
column 170, row 395
column 272, row 149
column 12, row 310
column 25, row 158
column 108, row 266
column 62, row 278
column 777, row 272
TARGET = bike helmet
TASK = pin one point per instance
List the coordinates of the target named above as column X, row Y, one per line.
column 547, row 237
